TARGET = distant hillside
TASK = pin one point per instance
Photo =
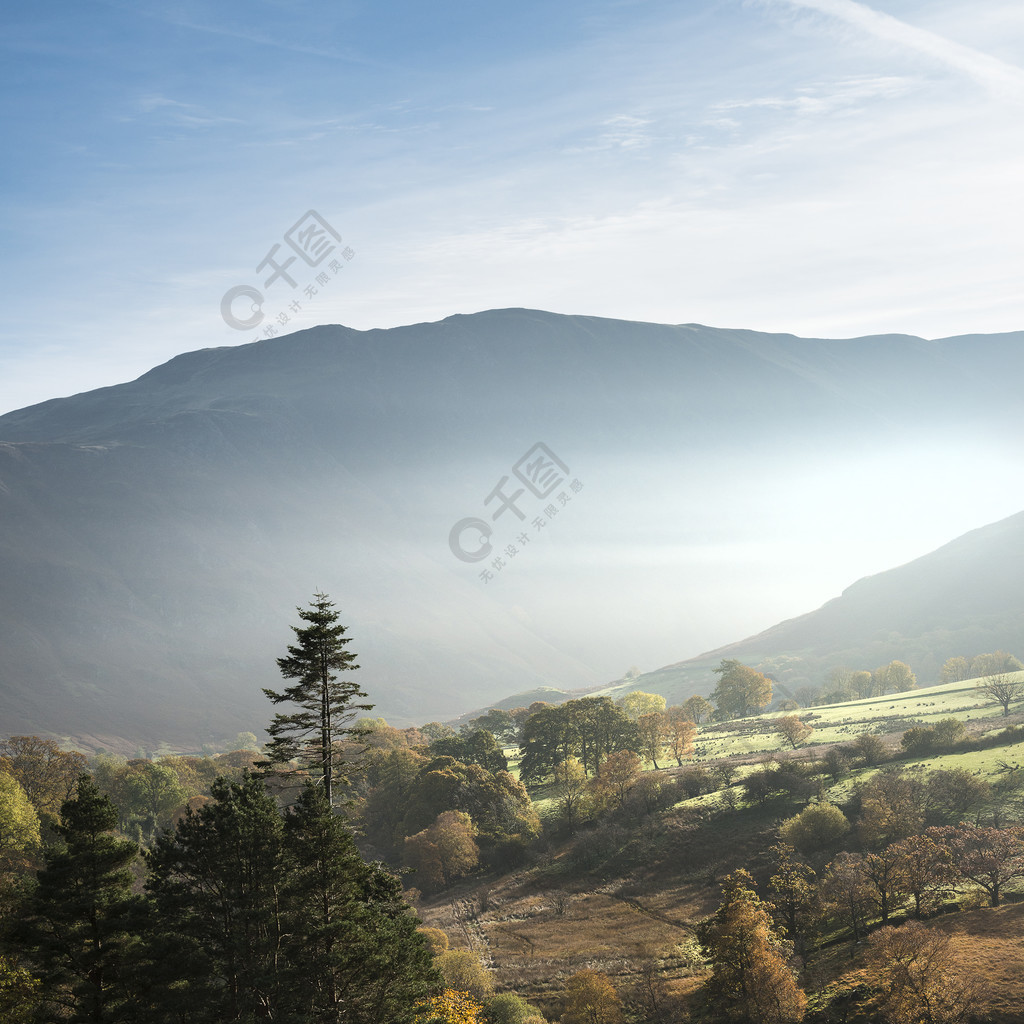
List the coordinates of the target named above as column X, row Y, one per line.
column 157, row 535
column 963, row 599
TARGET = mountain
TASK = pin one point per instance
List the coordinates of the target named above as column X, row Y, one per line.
column 966, row 598
column 158, row 535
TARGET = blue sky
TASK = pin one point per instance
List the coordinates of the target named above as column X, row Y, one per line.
column 826, row 167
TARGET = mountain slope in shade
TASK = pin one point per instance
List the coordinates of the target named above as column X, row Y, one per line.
column 966, row 598
column 157, row 535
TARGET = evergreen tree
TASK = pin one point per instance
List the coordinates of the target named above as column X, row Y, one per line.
column 78, row 931
column 352, row 949
column 326, row 707
column 215, row 882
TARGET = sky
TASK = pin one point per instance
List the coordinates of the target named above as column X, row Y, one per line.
column 828, row 168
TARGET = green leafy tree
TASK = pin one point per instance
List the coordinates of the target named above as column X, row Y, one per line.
column 19, row 822
column 19, row 992
column 78, row 932
column 871, row 749
column 509, row 1008
column 476, row 747
column 326, row 703
column 815, row 828
column 698, row 709
column 741, row 690
column 499, row 723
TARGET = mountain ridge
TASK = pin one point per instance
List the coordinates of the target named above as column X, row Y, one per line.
column 158, row 534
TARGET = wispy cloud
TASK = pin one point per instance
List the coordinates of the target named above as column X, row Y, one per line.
column 1001, row 78
column 183, row 114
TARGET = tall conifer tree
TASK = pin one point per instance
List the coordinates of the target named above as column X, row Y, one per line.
column 326, row 704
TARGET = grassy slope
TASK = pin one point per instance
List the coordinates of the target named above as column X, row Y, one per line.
column 640, row 898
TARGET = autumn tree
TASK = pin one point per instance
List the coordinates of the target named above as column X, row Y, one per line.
column 591, row 999
column 792, row 729
column 751, row 979
column 883, row 872
column 619, row 773
column 681, row 732
column 993, row 664
column 989, row 857
column 450, row 1007
column 953, row 793
column 845, row 892
column 47, row 774
column 637, row 704
column 926, row 866
column 896, row 677
column 741, row 690
column 891, row 808
column 871, row 749
column 571, row 787
column 444, row 851
column 1003, row 690
column 955, row 670
column 793, row 893
column 915, row 970
column 652, row 730
column 698, row 709
column 326, row 705
column 462, row 970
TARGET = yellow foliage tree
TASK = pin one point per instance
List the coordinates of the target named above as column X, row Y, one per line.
column 450, row 1007
column 591, row 999
column 751, row 979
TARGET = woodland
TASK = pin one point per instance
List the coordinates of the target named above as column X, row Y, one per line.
column 857, row 855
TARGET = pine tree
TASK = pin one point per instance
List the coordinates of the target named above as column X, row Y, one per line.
column 352, row 948
column 309, row 735
column 79, row 932
column 215, row 883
